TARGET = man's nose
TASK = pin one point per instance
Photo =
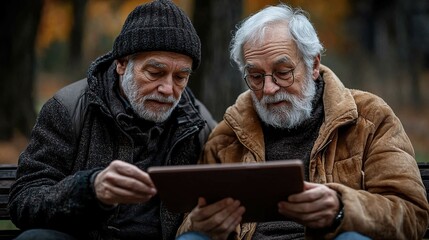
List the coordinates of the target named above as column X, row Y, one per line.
column 166, row 85
column 270, row 86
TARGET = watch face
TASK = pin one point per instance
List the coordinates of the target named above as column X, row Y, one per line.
column 338, row 218
column 340, row 214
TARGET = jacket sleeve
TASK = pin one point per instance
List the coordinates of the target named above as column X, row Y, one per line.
column 47, row 193
column 392, row 203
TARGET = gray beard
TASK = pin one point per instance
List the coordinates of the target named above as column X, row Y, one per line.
column 286, row 116
column 138, row 102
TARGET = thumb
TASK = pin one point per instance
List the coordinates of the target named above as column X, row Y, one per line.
column 201, row 202
column 309, row 185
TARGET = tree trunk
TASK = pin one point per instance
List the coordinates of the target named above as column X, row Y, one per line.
column 19, row 23
column 77, row 30
column 218, row 81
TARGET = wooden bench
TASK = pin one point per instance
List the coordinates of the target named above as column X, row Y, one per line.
column 7, row 177
column 424, row 171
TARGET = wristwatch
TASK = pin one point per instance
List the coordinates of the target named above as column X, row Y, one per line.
column 340, row 215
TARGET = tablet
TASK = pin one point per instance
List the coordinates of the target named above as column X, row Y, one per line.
column 258, row 186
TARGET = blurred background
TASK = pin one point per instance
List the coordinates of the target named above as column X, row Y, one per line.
column 380, row 46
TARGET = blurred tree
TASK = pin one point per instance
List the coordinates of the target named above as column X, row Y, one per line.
column 76, row 35
column 217, row 82
column 412, row 20
column 396, row 34
column 19, row 23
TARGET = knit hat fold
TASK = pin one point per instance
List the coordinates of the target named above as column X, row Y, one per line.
column 158, row 26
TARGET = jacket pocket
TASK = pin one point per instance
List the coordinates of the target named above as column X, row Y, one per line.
column 349, row 172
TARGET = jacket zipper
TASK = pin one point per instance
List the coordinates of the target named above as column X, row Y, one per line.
column 322, row 148
column 183, row 136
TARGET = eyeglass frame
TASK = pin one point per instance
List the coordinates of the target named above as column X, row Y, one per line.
column 273, row 78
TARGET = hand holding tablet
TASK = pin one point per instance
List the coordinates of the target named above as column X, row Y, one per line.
column 258, row 186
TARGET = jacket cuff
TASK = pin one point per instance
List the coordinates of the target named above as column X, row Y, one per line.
column 185, row 227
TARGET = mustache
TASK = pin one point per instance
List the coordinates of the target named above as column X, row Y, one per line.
column 159, row 98
column 276, row 98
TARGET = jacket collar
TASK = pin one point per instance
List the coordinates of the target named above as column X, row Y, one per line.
column 339, row 106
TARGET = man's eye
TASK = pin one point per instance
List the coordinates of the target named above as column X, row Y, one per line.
column 180, row 79
column 153, row 75
column 283, row 74
column 256, row 76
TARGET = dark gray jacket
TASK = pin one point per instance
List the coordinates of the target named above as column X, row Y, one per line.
column 80, row 131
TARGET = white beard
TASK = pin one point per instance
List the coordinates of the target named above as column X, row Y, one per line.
column 138, row 103
column 286, row 116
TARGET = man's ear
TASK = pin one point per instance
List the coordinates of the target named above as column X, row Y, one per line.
column 121, row 65
column 316, row 67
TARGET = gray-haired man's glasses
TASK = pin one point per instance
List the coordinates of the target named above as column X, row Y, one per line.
column 256, row 81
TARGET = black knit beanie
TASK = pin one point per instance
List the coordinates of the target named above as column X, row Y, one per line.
column 158, row 26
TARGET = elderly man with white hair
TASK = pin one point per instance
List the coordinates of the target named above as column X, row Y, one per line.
column 361, row 178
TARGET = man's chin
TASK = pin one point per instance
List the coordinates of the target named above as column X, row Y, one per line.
column 282, row 109
column 159, row 115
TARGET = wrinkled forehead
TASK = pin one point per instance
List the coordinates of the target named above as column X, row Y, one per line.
column 276, row 41
column 260, row 34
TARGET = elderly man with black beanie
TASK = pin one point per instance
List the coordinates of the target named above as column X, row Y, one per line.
column 83, row 174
